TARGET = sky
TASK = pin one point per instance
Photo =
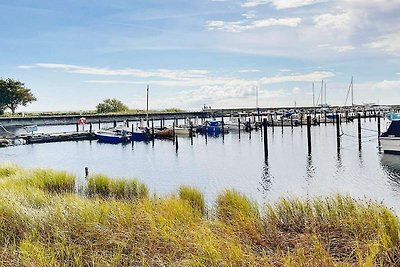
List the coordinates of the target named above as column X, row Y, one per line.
column 73, row 54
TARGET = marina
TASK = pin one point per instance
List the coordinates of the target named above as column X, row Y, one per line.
column 212, row 163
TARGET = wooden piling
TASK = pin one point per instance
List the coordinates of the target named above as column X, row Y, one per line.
column 90, row 127
column 291, row 122
column 127, row 123
column 338, row 131
column 265, row 133
column 359, row 130
column 115, row 123
column 77, row 127
column 309, row 133
column 239, row 127
column 379, row 129
column 325, row 117
column 191, row 134
column 176, row 144
column 99, row 125
column 282, row 123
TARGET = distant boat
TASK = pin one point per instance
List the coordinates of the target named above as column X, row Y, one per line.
column 214, row 127
column 392, row 116
column 390, row 140
column 112, row 137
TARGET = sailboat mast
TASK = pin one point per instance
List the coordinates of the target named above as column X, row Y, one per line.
column 352, row 92
column 147, row 105
column 313, row 97
column 325, row 92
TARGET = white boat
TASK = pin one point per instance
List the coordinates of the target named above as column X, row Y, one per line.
column 390, row 140
column 182, row 131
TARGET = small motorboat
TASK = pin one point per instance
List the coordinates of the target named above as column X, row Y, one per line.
column 390, row 140
column 164, row 133
column 214, row 128
column 141, row 134
column 112, row 137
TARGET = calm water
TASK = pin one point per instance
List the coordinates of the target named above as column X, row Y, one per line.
column 234, row 163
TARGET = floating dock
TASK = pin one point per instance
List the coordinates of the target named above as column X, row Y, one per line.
column 40, row 138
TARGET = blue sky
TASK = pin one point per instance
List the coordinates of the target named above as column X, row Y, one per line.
column 73, row 54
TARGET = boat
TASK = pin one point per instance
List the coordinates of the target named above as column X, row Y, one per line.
column 214, row 128
column 141, row 134
column 165, row 133
column 392, row 116
column 112, row 136
column 182, row 131
column 390, row 140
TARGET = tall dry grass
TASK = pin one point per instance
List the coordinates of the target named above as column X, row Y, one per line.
column 44, row 223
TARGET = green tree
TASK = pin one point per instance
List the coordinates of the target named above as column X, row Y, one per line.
column 14, row 93
column 111, row 105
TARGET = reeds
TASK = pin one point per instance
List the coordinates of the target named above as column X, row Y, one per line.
column 43, row 223
column 100, row 185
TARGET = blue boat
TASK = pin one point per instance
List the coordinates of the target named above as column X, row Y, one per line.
column 141, row 135
column 112, row 137
column 213, row 128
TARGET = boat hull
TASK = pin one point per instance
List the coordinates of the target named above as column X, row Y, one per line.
column 390, row 145
column 140, row 136
column 112, row 139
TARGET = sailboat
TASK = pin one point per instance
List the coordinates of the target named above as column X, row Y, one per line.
column 143, row 133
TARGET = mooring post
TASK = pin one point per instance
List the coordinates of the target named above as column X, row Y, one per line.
column 173, row 132
column 273, row 126
column 379, row 128
column 127, row 123
column 359, row 130
column 325, row 117
column 301, row 120
column 338, row 131
column 176, row 144
column 265, row 133
column 291, row 121
column 205, row 135
column 282, row 123
column 223, row 126
column 152, row 127
column 191, row 133
column 309, row 133
column 90, row 127
column 77, row 127
column 99, row 124
column 115, row 123
column 86, row 172
column 239, row 127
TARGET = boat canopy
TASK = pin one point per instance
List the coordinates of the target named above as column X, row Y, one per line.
column 393, row 130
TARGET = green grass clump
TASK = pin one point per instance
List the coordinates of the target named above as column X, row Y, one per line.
column 100, row 185
column 52, row 181
column 8, row 169
column 194, row 197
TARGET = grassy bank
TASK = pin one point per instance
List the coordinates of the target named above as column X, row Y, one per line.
column 116, row 223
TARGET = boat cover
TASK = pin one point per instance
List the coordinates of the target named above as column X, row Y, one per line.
column 393, row 130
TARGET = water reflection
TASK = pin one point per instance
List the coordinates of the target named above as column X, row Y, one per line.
column 391, row 166
column 310, row 169
column 266, row 178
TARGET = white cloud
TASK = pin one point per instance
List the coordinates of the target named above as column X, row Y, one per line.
column 309, row 77
column 161, row 73
column 25, row 67
column 249, row 15
column 387, row 84
column 281, row 4
column 244, row 25
column 343, row 48
column 389, row 43
column 340, row 21
column 249, row 71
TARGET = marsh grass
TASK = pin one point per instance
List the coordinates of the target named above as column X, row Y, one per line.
column 102, row 186
column 194, row 197
column 42, row 223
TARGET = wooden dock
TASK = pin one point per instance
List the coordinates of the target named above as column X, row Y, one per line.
column 40, row 138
